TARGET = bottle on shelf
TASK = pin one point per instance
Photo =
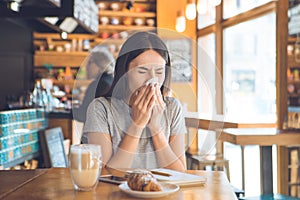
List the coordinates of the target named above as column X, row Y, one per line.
column 285, row 123
column 48, row 99
column 38, row 96
column 86, row 45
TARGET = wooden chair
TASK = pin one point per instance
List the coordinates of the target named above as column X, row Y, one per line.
column 215, row 161
column 212, row 161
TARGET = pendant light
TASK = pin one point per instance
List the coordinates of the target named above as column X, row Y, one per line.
column 190, row 10
column 202, row 7
column 180, row 21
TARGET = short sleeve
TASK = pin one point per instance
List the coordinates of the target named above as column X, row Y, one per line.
column 176, row 117
column 97, row 116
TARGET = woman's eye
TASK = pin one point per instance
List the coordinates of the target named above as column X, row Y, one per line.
column 142, row 72
column 159, row 72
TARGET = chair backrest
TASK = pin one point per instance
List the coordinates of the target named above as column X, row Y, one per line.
column 208, row 130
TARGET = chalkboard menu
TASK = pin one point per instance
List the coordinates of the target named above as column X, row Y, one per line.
column 51, row 141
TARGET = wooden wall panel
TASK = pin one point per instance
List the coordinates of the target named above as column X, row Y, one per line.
column 185, row 92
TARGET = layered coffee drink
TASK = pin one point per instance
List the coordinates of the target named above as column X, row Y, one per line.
column 85, row 166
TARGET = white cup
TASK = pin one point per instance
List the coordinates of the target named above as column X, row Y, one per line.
column 85, row 163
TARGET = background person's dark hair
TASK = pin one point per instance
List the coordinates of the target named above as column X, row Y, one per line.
column 133, row 47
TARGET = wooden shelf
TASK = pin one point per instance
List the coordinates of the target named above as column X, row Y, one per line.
column 59, row 59
column 292, row 39
column 293, row 81
column 109, row 40
column 58, row 37
column 72, row 82
column 123, row 28
column 110, row 13
column 292, row 62
column 56, row 53
column 77, row 59
column 293, row 95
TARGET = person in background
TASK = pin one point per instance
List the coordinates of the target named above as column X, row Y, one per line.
column 136, row 125
column 100, row 67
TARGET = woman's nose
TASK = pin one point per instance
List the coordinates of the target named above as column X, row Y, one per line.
column 152, row 73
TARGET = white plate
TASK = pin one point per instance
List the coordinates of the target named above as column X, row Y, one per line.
column 167, row 188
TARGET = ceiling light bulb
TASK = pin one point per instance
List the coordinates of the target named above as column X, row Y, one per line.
column 15, row 6
column 64, row 35
column 180, row 22
column 190, row 10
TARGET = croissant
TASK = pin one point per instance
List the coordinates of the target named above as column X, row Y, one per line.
column 143, row 180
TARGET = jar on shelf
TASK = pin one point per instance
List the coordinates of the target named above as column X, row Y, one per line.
column 289, row 75
column 127, row 21
column 68, row 47
column 291, row 88
column 102, row 6
column 150, row 22
column 290, row 49
column 139, row 21
column 296, row 74
column 86, row 45
column 297, row 51
column 114, row 21
column 115, row 6
column 104, row 20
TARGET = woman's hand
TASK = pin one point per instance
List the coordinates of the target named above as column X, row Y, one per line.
column 142, row 102
column 155, row 124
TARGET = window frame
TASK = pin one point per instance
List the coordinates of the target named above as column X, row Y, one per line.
column 280, row 8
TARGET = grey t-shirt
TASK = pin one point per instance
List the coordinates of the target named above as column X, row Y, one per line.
column 113, row 116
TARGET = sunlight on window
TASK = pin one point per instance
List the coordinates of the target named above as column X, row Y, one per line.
column 235, row 7
column 250, row 71
column 206, row 14
column 206, row 74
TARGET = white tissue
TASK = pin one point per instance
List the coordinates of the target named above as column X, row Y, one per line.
column 152, row 81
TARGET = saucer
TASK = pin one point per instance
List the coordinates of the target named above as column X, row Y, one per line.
column 167, row 188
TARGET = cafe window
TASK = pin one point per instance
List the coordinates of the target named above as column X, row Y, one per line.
column 206, row 74
column 245, row 56
column 249, row 75
column 234, row 7
column 242, row 49
column 206, row 14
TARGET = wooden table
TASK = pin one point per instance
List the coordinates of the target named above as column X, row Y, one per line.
column 55, row 183
column 14, row 179
column 265, row 138
column 197, row 120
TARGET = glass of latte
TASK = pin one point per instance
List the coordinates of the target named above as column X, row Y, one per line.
column 85, row 162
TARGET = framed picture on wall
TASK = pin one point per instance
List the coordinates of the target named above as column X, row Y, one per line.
column 181, row 59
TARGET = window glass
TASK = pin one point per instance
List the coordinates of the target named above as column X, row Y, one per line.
column 235, row 7
column 250, row 71
column 206, row 13
column 206, row 90
column 206, row 74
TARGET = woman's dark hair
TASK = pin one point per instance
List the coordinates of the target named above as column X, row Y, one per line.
column 134, row 46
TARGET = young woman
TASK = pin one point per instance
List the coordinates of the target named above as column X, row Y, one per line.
column 135, row 124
